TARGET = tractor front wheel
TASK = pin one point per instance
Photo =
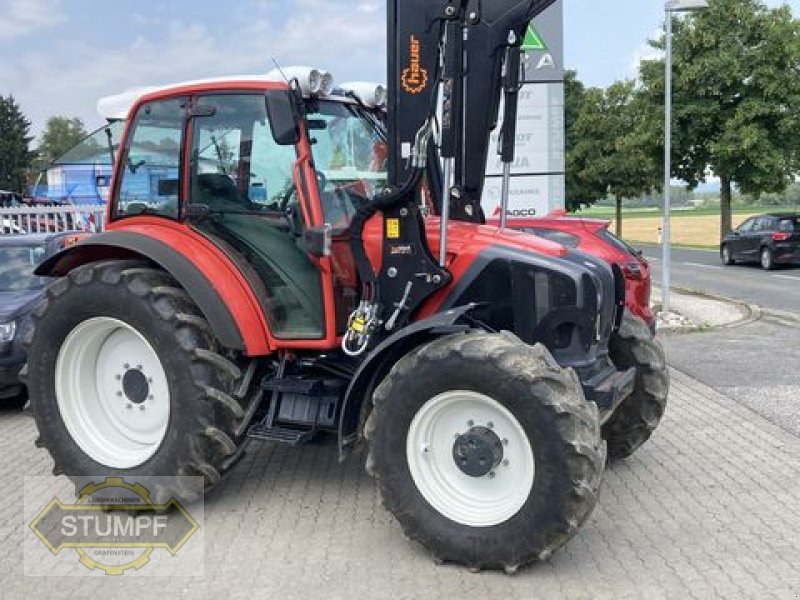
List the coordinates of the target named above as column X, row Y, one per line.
column 638, row 416
column 126, row 379
column 485, row 450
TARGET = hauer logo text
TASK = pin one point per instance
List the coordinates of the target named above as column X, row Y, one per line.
column 415, row 76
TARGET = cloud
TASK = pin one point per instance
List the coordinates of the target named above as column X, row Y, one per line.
column 645, row 52
column 19, row 18
column 75, row 71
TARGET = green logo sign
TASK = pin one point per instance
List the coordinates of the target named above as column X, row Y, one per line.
column 533, row 41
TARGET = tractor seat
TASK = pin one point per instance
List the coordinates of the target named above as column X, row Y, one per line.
column 219, row 192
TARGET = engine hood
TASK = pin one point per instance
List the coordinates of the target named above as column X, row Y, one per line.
column 463, row 236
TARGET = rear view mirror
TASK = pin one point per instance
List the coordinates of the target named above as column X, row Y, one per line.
column 284, row 119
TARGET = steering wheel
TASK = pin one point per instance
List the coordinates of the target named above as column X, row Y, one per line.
column 322, row 183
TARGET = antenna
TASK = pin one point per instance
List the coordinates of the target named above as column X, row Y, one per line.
column 278, row 66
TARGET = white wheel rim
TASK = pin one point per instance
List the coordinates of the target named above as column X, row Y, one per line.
column 112, row 393
column 765, row 258
column 473, row 501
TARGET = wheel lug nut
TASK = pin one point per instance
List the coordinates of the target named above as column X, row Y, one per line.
column 505, row 463
column 426, row 448
column 490, row 425
column 491, row 474
column 129, row 406
column 505, row 442
column 118, row 377
column 126, row 366
column 141, row 407
column 150, row 397
column 119, row 394
column 150, row 380
column 470, row 423
column 139, row 367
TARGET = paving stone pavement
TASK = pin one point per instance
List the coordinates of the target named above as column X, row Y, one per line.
column 707, row 509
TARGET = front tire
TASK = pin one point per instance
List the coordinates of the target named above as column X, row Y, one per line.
column 639, row 415
column 126, row 379
column 727, row 256
column 485, row 450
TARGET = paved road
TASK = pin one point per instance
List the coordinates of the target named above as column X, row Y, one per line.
column 707, row 509
column 701, row 270
column 754, row 365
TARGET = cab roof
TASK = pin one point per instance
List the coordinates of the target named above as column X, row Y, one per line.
column 118, row 106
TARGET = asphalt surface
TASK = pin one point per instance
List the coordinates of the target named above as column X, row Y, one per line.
column 702, row 271
column 753, row 364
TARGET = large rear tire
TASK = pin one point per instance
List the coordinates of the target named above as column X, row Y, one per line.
column 485, row 450
column 126, row 379
column 636, row 419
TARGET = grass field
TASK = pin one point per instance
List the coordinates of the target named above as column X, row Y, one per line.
column 696, row 227
column 687, row 230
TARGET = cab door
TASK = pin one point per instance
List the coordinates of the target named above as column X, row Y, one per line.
column 249, row 196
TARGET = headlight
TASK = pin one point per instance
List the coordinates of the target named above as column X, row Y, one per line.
column 371, row 94
column 7, row 331
column 313, row 82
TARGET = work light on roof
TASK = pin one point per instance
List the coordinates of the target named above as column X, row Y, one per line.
column 313, row 82
column 371, row 94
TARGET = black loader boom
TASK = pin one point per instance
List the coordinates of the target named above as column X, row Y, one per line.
column 457, row 55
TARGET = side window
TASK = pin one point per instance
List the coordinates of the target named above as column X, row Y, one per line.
column 764, row 224
column 151, row 172
column 747, row 226
column 236, row 163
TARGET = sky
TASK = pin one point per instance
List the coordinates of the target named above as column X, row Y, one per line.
column 60, row 56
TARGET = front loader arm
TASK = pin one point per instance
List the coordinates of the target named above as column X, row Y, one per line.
column 463, row 43
column 448, row 52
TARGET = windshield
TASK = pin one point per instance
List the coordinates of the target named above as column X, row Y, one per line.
column 350, row 155
column 95, row 149
column 17, row 264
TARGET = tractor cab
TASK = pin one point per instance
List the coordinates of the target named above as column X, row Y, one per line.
column 212, row 155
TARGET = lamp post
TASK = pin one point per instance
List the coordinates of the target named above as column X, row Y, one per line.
column 673, row 6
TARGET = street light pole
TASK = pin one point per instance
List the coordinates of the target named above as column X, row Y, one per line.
column 672, row 6
column 666, row 228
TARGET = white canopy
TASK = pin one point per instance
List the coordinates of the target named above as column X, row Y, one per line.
column 117, row 107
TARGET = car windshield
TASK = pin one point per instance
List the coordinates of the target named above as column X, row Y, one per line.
column 17, row 264
column 350, row 153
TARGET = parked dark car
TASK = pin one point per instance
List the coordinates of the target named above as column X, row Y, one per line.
column 20, row 292
column 770, row 240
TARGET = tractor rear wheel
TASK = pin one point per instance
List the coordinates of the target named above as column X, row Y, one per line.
column 485, row 450
column 126, row 379
column 636, row 419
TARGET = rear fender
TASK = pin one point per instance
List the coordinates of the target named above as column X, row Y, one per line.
column 237, row 324
column 378, row 364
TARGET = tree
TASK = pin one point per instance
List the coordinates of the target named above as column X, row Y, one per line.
column 736, row 98
column 574, row 93
column 60, row 134
column 15, row 154
column 608, row 153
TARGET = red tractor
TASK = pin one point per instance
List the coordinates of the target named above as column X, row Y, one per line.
column 268, row 273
